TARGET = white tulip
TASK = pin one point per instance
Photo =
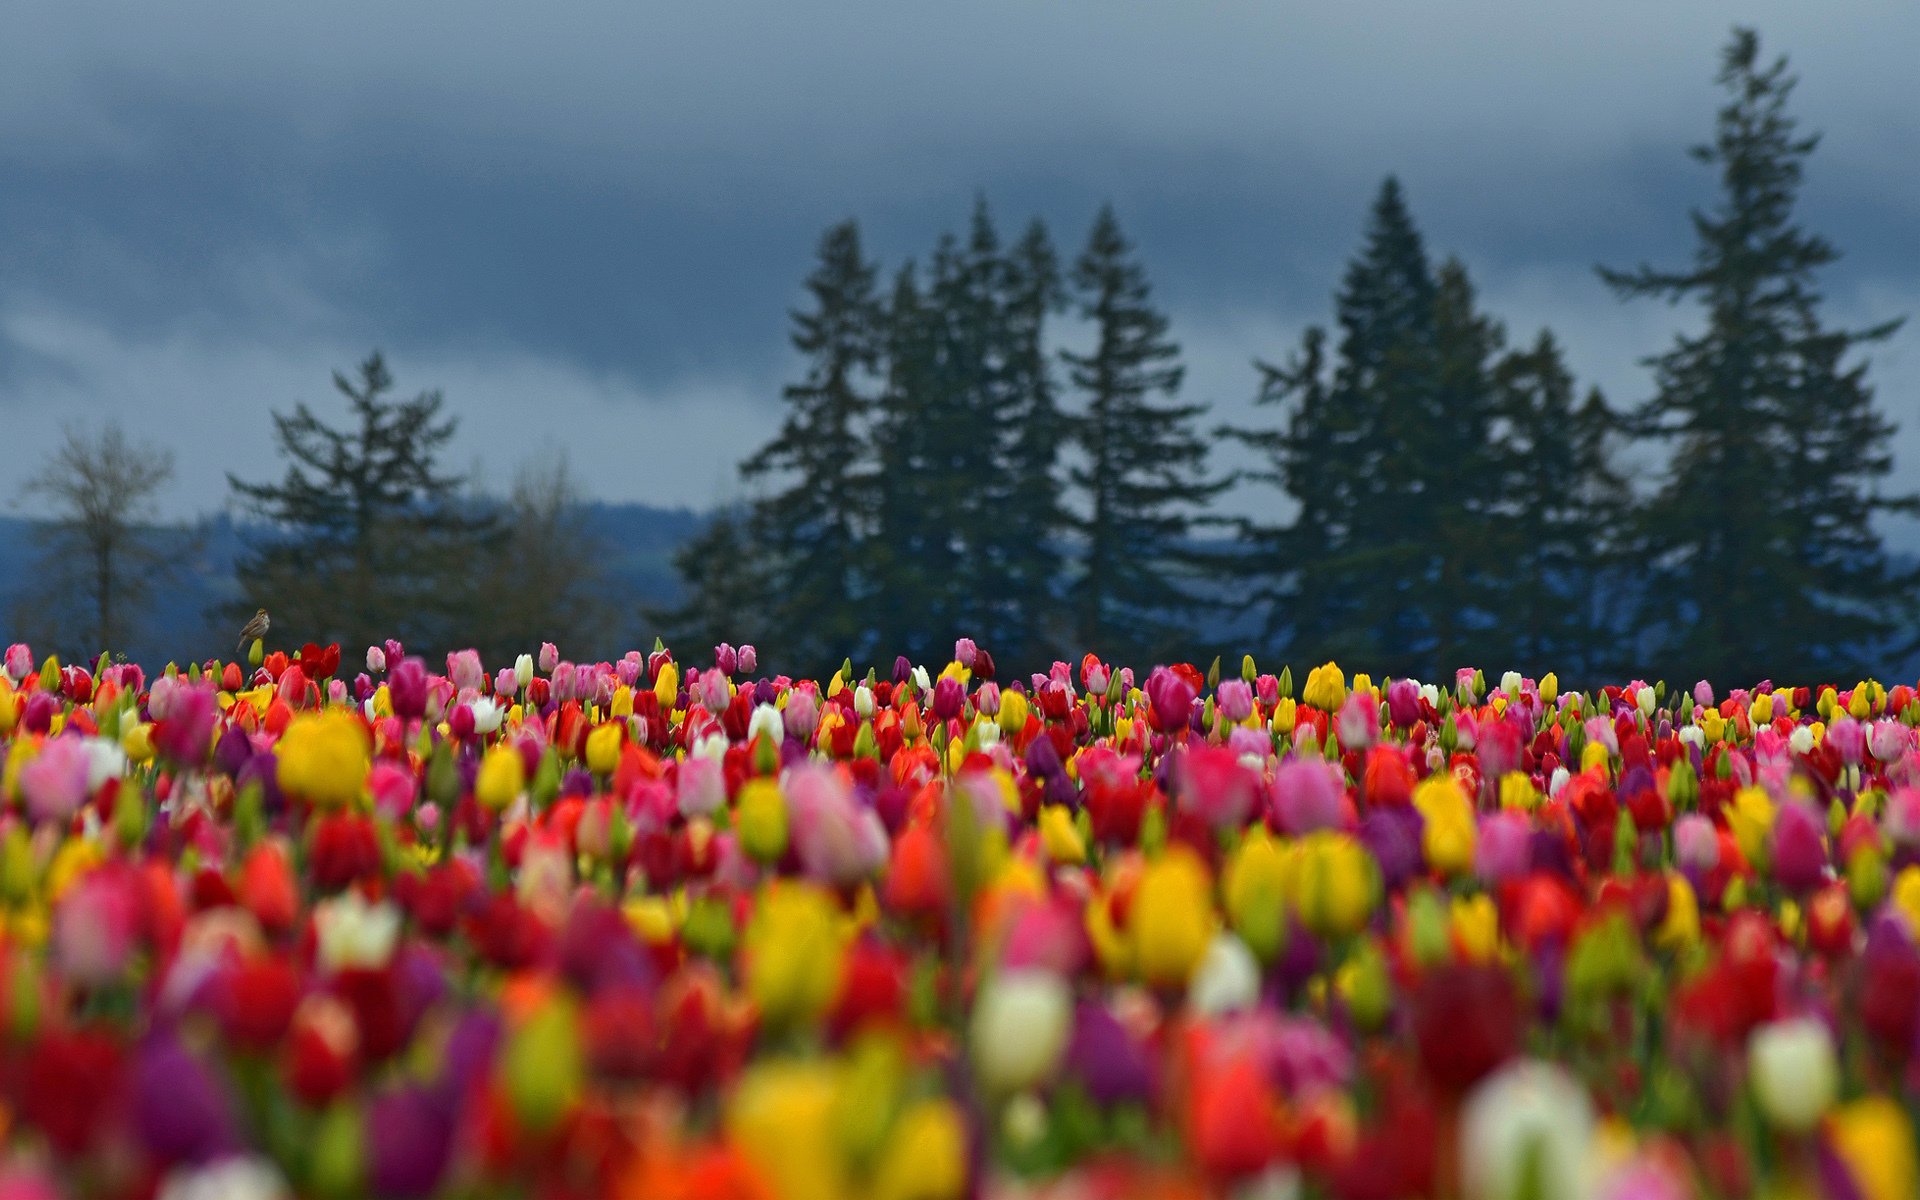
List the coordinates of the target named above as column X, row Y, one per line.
column 1021, row 1019
column 1794, row 1073
column 353, row 933
column 1228, row 978
column 1527, row 1131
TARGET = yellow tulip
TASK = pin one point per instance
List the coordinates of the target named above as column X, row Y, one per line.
column 603, row 749
column 760, row 818
column 324, row 758
column 792, row 954
column 1750, row 816
column 1060, row 837
column 781, row 1117
column 1326, row 687
column 1875, row 1139
column 1172, row 918
column 926, row 1158
column 1448, row 838
column 503, row 775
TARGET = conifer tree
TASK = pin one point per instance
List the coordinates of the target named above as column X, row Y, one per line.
column 810, row 528
column 1143, row 469
column 1347, row 568
column 1760, row 551
column 1563, row 512
column 1031, row 506
column 725, row 596
column 913, row 554
column 370, row 541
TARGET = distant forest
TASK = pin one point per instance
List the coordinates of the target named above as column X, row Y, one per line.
column 995, row 442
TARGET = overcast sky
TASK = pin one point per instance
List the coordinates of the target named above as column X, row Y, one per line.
column 586, row 222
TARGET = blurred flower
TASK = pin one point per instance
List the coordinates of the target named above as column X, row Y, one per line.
column 1527, row 1131
column 792, row 955
column 1021, row 1020
column 1794, row 1071
column 353, row 933
column 323, row 758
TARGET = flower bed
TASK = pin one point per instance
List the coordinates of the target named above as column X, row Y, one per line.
column 638, row 929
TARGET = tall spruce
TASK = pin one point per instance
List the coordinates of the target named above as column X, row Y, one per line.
column 724, row 593
column 1028, row 499
column 913, row 557
column 1450, row 463
column 1564, row 511
column 1347, row 570
column 1760, row 550
column 810, row 529
column 368, row 539
column 1143, row 464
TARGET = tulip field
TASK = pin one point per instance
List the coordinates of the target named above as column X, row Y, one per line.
column 337, row 925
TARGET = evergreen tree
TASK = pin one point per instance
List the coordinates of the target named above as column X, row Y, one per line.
column 1030, row 503
column 1389, row 456
column 372, row 541
column 810, row 530
column 1451, row 464
column 1143, row 468
column 1347, row 568
column 725, row 593
column 1563, row 512
column 913, row 555
column 1760, row 550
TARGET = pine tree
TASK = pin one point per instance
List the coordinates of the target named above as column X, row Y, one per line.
column 1144, row 464
column 1030, row 503
column 913, row 557
column 371, row 540
column 1563, row 511
column 725, row 593
column 810, row 530
column 1761, row 556
column 1453, row 464
column 1388, row 456
column 1347, row 568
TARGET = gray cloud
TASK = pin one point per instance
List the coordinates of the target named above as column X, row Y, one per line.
column 587, row 226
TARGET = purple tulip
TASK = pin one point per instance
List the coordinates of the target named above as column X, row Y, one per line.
column 408, row 1141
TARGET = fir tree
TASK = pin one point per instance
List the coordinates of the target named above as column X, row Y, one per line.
column 1452, row 468
column 1030, row 503
column 725, row 594
column 371, row 540
column 810, row 529
column 913, row 555
column 1563, row 512
column 1760, row 551
column 1349, row 567
column 1143, row 465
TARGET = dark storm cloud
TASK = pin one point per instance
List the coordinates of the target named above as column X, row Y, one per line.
column 587, row 224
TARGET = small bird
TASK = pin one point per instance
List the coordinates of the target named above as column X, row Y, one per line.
column 256, row 628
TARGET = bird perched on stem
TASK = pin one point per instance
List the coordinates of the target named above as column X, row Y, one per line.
column 254, row 630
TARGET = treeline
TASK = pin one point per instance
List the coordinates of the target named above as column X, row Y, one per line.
column 997, row 443
column 955, row 463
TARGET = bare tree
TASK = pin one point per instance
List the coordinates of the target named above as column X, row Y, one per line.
column 101, row 553
column 548, row 581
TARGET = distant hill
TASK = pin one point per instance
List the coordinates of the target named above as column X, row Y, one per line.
column 639, row 541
